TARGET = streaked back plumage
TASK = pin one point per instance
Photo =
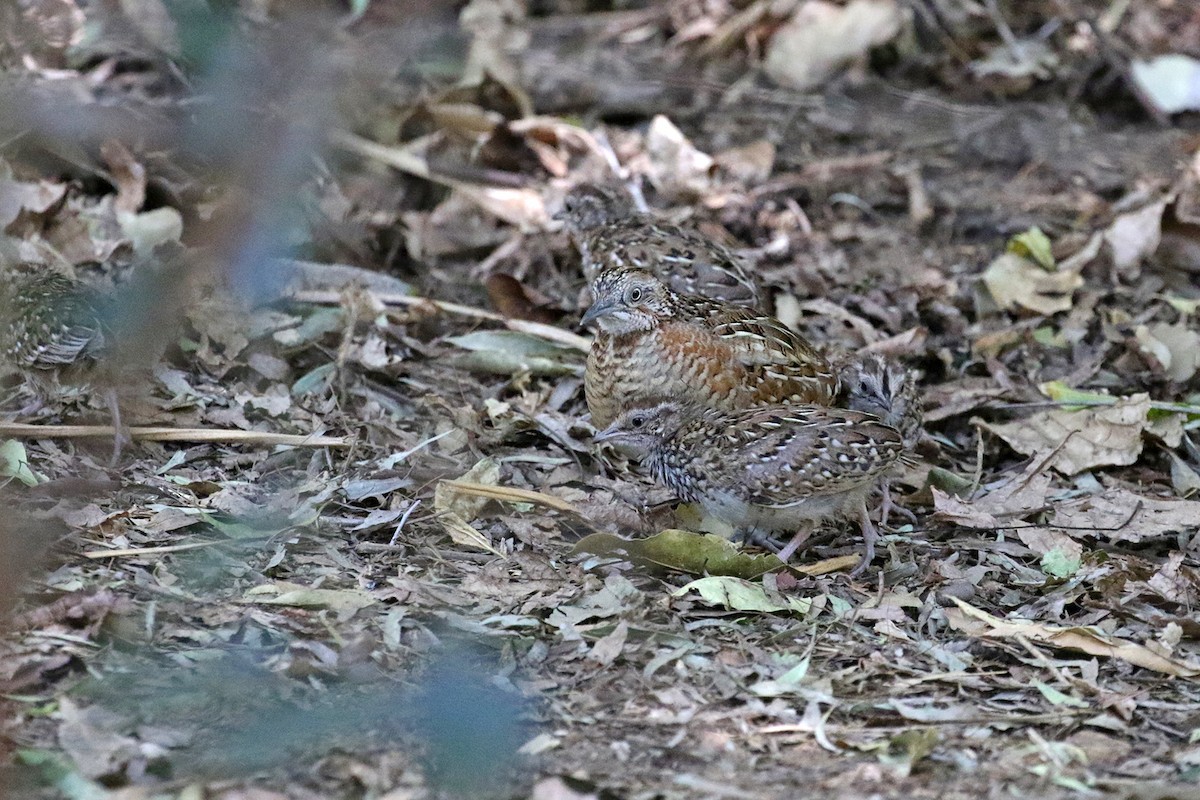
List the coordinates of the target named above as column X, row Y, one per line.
column 611, row 234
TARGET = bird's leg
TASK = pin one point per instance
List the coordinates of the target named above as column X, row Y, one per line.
column 800, row 538
column 120, row 434
column 887, row 506
column 39, row 393
column 751, row 536
column 870, row 534
column 759, row 538
column 34, row 405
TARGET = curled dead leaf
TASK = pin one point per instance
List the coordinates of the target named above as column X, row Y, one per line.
column 675, row 163
column 1082, row 439
column 516, row 301
column 128, row 175
column 977, row 622
column 1016, row 282
column 742, row 595
column 820, row 38
column 1134, row 236
column 1176, row 348
column 1119, row 515
column 1014, row 499
column 448, row 500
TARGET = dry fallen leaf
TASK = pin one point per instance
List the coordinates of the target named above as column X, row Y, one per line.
column 95, row 739
column 128, row 175
column 742, row 595
column 510, row 352
column 517, row 301
column 1175, row 347
column 979, row 623
column 750, row 164
column 1119, row 515
column 1010, row 501
column 606, row 649
column 1015, row 281
column 523, row 208
column 820, row 38
column 1184, row 479
column 446, row 499
column 1170, row 81
column 1083, row 439
column 343, row 602
column 955, row 510
column 461, row 533
column 1134, row 236
column 16, row 196
column 676, row 165
column 1042, row 542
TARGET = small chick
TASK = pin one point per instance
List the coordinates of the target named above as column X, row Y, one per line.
column 876, row 385
column 772, row 468
column 654, row 344
column 611, row 234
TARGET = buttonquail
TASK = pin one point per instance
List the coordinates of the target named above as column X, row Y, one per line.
column 872, row 383
column 654, row 344
column 610, row 233
column 765, row 469
column 52, row 330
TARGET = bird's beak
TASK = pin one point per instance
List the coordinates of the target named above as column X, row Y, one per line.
column 607, row 435
column 598, row 310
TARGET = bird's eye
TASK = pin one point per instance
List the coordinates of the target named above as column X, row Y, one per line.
column 637, row 421
column 635, row 295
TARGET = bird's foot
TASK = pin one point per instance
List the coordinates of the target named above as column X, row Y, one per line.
column 120, row 439
column 121, row 435
column 870, row 534
column 797, row 541
column 888, row 506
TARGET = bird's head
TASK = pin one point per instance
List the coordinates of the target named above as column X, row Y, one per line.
column 885, row 388
column 628, row 300
column 590, row 205
column 638, row 431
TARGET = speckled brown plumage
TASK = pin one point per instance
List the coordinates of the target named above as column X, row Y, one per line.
column 51, row 324
column 53, row 332
column 765, row 469
column 883, row 387
column 877, row 385
column 654, row 344
column 611, row 234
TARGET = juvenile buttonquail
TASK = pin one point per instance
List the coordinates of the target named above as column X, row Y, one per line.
column 879, row 386
column 654, row 344
column 610, row 234
column 765, row 469
column 53, row 331
column 872, row 383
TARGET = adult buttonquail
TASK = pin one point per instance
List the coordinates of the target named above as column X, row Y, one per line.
column 775, row 468
column 611, row 234
column 654, row 344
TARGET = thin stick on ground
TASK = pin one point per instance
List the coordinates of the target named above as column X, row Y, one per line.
column 24, row 430
column 539, row 329
column 510, row 494
column 145, row 551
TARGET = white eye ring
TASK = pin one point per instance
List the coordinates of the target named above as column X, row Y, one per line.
column 635, row 295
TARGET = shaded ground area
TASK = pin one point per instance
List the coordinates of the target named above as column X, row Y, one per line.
column 424, row 607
